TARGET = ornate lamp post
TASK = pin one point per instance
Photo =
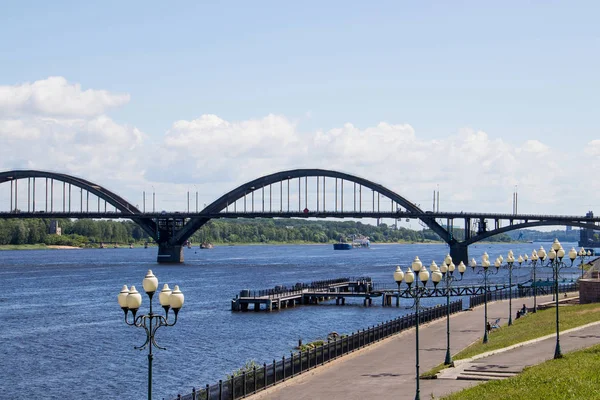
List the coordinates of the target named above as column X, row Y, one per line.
column 485, row 271
column 555, row 256
column 447, row 270
column 582, row 255
column 510, row 261
column 416, row 293
column 131, row 300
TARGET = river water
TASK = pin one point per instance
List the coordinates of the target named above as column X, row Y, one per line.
column 62, row 334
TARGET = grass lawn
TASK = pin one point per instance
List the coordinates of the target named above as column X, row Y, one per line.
column 529, row 327
column 575, row 376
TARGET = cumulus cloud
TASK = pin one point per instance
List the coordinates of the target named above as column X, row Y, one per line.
column 53, row 124
column 473, row 170
column 55, row 96
column 593, row 148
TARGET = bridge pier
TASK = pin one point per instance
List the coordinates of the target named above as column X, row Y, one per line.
column 169, row 253
column 459, row 252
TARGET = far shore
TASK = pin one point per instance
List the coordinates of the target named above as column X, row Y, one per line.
column 42, row 246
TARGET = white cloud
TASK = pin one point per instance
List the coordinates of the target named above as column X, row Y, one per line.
column 55, row 96
column 475, row 172
column 593, row 148
column 534, row 146
column 54, row 125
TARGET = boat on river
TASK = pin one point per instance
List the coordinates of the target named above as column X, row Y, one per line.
column 342, row 246
column 358, row 242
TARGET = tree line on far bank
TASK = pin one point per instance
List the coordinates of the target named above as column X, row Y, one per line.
column 87, row 232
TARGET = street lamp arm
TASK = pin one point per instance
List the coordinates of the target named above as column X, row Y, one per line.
column 148, row 336
column 153, row 338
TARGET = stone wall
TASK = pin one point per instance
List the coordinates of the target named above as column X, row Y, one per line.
column 589, row 290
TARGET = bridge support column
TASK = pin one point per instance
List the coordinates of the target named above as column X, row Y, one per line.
column 169, row 253
column 459, row 252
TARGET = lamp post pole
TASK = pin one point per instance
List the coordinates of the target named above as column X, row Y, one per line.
column 534, row 259
column 485, row 271
column 555, row 256
column 510, row 261
column 131, row 300
column 447, row 270
column 418, row 269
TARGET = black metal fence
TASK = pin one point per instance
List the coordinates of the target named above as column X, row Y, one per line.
column 524, row 291
column 267, row 375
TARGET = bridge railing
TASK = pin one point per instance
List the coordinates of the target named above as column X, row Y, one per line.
column 254, row 380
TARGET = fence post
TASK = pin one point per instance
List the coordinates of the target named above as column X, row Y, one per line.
column 244, row 383
column 207, row 391
column 300, row 355
column 193, row 393
column 254, row 378
column 233, row 387
column 274, row 372
column 283, row 367
column 265, row 375
column 220, row 389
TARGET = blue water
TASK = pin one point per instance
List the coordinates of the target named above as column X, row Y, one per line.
column 62, row 335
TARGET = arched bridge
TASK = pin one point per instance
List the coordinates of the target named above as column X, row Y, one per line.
column 299, row 193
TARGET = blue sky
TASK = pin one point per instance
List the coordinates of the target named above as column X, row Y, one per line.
column 517, row 71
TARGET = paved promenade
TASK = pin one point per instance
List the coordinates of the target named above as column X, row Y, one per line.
column 386, row 370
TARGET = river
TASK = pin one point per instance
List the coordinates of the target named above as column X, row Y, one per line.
column 62, row 334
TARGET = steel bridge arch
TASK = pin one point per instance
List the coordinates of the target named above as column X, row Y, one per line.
column 523, row 225
column 127, row 209
column 229, row 198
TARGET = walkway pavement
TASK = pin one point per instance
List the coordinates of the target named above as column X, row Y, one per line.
column 386, row 370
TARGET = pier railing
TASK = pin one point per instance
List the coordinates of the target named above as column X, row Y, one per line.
column 262, row 377
column 280, row 291
column 523, row 291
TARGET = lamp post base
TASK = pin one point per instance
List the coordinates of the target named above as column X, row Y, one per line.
column 557, row 352
column 448, row 360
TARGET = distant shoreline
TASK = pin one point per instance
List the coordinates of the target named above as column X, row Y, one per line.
column 195, row 246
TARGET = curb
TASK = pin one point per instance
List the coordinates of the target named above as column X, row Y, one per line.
column 514, row 346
